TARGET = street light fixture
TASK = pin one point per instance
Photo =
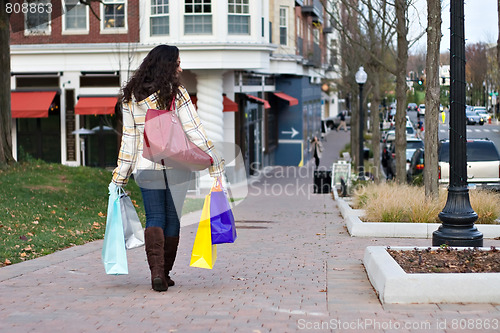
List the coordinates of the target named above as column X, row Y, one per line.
column 457, row 216
column 361, row 78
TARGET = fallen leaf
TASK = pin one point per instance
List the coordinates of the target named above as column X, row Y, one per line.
column 27, row 248
column 239, row 278
column 24, row 238
column 101, row 214
column 323, row 290
column 53, row 212
column 23, row 255
column 7, row 262
column 29, row 234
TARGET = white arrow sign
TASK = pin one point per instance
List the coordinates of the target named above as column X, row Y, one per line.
column 293, row 132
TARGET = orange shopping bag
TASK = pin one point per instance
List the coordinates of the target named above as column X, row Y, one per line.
column 204, row 252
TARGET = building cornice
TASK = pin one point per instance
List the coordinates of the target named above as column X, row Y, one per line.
column 135, row 47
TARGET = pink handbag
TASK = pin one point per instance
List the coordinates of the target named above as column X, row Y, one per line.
column 166, row 142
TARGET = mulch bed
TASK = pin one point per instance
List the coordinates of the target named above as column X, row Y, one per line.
column 447, row 260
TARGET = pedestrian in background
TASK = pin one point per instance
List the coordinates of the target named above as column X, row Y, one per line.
column 155, row 85
column 317, row 147
column 420, row 128
column 342, row 122
column 385, row 163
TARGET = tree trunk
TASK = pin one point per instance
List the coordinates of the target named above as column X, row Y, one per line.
column 432, row 93
column 498, row 56
column 402, row 34
column 5, row 114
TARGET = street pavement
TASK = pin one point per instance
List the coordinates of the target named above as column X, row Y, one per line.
column 293, row 268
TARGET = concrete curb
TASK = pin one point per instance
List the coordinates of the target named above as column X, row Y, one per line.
column 394, row 285
column 358, row 228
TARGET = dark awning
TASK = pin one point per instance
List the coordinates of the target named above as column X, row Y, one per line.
column 31, row 104
column 260, row 100
column 291, row 100
column 95, row 105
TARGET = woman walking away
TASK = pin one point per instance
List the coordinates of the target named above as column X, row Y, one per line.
column 155, row 85
column 317, row 147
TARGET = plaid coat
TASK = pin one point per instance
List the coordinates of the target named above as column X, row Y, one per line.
column 134, row 115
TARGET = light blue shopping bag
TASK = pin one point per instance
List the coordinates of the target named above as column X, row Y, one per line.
column 114, row 255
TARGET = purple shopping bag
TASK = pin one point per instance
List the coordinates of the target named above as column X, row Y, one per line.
column 221, row 219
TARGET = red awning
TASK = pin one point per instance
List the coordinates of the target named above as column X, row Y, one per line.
column 260, row 100
column 291, row 100
column 95, row 105
column 31, row 104
column 228, row 105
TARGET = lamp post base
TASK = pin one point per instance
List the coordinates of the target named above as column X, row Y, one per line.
column 459, row 237
column 458, row 219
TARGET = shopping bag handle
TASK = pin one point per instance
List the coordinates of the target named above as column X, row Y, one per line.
column 217, row 185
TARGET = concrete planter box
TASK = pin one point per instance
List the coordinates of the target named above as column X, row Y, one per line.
column 393, row 285
column 358, row 228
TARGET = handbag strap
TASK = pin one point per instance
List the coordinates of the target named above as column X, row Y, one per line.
column 172, row 105
column 164, row 173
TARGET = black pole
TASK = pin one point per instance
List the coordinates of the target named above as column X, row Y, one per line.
column 457, row 216
column 361, row 164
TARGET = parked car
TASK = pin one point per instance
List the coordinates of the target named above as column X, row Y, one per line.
column 412, row 144
column 390, row 135
column 412, row 107
column 481, row 111
column 473, row 118
column 483, row 163
column 421, row 110
column 415, row 171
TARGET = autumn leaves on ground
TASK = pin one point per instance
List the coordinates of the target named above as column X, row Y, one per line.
column 48, row 207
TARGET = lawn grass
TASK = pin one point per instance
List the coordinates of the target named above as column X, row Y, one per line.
column 390, row 202
column 49, row 207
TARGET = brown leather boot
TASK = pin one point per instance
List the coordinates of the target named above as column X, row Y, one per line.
column 170, row 252
column 155, row 240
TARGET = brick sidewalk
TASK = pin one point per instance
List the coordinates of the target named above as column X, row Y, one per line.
column 293, row 268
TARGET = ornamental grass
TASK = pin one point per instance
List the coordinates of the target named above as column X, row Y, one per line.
column 391, row 202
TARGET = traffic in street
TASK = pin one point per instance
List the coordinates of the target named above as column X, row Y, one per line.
column 483, row 140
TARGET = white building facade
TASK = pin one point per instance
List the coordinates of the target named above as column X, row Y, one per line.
column 253, row 68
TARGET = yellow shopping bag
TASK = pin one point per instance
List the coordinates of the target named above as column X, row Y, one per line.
column 204, row 252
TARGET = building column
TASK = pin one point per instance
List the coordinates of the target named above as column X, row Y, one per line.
column 209, row 94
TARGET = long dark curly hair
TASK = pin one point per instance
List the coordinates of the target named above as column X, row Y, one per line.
column 157, row 74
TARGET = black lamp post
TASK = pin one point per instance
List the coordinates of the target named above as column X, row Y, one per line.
column 361, row 77
column 457, row 216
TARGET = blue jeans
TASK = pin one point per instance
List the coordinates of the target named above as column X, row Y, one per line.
column 163, row 204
